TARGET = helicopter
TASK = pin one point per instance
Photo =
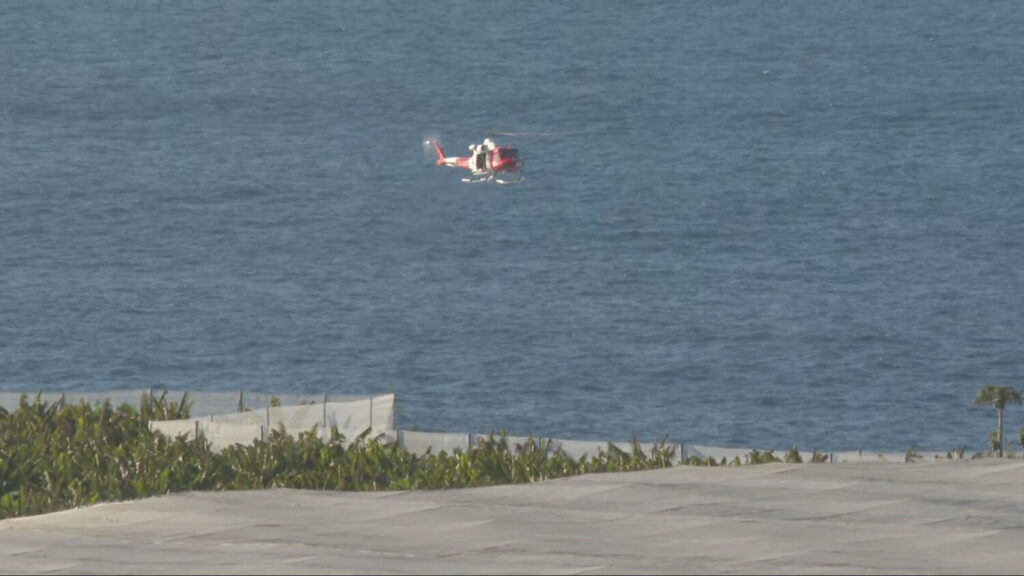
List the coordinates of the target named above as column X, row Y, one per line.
column 487, row 162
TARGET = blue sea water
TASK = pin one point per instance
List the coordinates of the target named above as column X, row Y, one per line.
column 744, row 223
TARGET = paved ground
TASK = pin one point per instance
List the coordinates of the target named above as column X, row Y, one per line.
column 962, row 517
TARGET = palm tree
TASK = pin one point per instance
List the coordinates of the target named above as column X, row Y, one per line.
column 998, row 396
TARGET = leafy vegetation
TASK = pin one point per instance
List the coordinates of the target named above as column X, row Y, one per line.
column 756, row 457
column 57, row 456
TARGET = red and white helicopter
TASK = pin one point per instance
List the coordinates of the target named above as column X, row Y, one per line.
column 487, row 162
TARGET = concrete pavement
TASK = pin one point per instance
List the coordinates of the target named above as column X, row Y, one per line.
column 956, row 517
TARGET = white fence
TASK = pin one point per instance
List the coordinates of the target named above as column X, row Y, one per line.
column 226, row 418
column 203, row 403
column 351, row 418
column 419, row 443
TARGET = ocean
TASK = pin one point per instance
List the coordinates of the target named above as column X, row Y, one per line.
column 743, row 224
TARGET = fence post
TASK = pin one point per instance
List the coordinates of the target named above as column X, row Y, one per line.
column 241, row 404
column 371, row 415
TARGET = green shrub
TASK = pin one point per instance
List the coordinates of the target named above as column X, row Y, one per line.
column 756, row 457
column 818, row 458
column 57, row 456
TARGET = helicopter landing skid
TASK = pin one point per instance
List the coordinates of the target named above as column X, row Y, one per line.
column 493, row 179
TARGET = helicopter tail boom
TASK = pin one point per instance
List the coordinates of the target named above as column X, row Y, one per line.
column 437, row 150
column 442, row 160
